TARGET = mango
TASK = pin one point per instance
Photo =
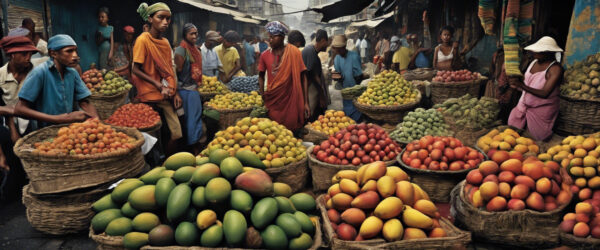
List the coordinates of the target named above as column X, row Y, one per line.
column 167, row 174
column 135, row 240
column 386, row 186
column 152, row 176
column 282, row 189
column 183, row 174
column 128, row 211
column 392, row 230
column 305, row 223
column 240, row 200
column 191, row 214
column 303, row 202
column 370, row 227
column 543, row 185
column 581, row 229
column 420, row 194
column 201, row 160
column 118, row 227
column 405, row 191
column 374, row 171
column 515, row 205
column 234, row 227
column 255, row 182
column 341, row 201
column 370, row 185
column 249, row 158
column 288, row 223
column 488, row 190
column 477, row 199
column 162, row 235
column 217, row 155
column 253, row 239
column 349, row 186
column 367, row 200
column 205, row 219
column 359, row 174
column 535, row 201
column 426, row 207
column 101, row 220
column 180, row 159
column 504, row 189
column 198, row 198
column 163, row 188
column 284, row 205
column 346, row 174
column 231, row 167
column 104, row 203
column 397, row 173
column 186, row 234
column 353, row 216
column 205, row 173
column 413, row 218
column 217, row 190
column 389, row 208
column 413, row 233
column 264, row 212
column 144, row 222
column 178, row 202
column 143, row 199
column 274, row 237
column 120, row 194
column 497, row 203
column 302, row 242
column 334, row 216
column 437, row 232
column 346, row 232
column 334, row 189
column 212, row 236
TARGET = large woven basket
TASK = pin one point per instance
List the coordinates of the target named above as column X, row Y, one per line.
column 314, row 135
column 323, row 172
column 55, row 174
column 577, row 116
column 294, row 174
column 61, row 214
column 437, row 184
column 228, row 117
column 441, row 91
column 152, row 128
column 106, row 105
column 389, row 114
column 578, row 242
column 420, row 74
column 456, row 239
column 106, row 242
column 525, row 228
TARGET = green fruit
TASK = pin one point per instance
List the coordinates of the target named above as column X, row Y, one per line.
column 241, row 201
column 118, row 227
column 198, row 198
column 234, row 227
column 289, row 224
column 303, row 202
column 179, row 201
column 282, row 189
column 302, row 242
column 104, row 203
column 128, row 211
column 201, row 160
column 191, row 214
column 152, row 176
column 178, row 160
column 186, row 234
column 284, row 205
column 217, row 190
column 135, row 240
column 143, row 199
column 164, row 186
column 144, row 222
column 122, row 191
column 205, row 173
column 162, row 235
column 305, row 222
column 249, row 158
column 167, row 174
column 183, row 174
column 264, row 212
column 101, row 220
column 212, row 236
column 274, row 237
column 217, row 155
column 231, row 167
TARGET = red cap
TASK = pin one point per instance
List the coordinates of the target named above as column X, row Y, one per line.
column 129, row 29
column 12, row 44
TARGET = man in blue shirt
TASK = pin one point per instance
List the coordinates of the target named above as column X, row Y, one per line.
column 347, row 63
column 250, row 56
column 51, row 89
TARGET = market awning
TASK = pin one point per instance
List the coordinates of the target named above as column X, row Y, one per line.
column 246, row 20
column 372, row 23
column 238, row 16
column 341, row 8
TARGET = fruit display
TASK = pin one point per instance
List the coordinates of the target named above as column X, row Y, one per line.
column 507, row 140
column 580, row 155
column 388, row 88
column 357, row 144
column 272, row 142
column 379, row 202
column 331, row 122
column 134, row 115
column 510, row 183
column 582, row 79
column 207, row 201
column 85, row 138
column 585, row 221
column 455, row 76
column 419, row 123
column 236, row 100
column 244, row 84
column 354, row 91
column 110, row 83
column 440, row 153
column 470, row 112
column 210, row 84
column 260, row 112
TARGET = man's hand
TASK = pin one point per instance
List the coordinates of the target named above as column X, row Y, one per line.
column 76, row 116
column 164, row 91
column 177, row 101
column 306, row 110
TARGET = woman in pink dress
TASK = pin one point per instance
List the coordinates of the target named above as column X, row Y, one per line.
column 538, row 107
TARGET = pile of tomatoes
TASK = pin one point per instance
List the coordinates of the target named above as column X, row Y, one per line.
column 455, row 76
column 85, row 138
column 134, row 115
column 441, row 153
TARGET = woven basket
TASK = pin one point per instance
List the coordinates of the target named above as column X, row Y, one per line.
column 441, row 91
column 421, row 74
column 525, row 228
column 294, row 174
column 61, row 214
column 456, row 239
column 323, row 172
column 106, row 242
column 577, row 117
column 578, row 242
column 228, row 117
column 314, row 135
column 106, row 105
column 437, row 184
column 469, row 136
column 389, row 114
column 152, row 128
column 55, row 174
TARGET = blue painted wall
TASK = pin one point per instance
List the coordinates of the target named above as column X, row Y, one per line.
column 584, row 32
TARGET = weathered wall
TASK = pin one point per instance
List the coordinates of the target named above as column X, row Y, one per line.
column 584, row 33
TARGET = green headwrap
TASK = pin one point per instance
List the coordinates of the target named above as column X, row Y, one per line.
column 145, row 11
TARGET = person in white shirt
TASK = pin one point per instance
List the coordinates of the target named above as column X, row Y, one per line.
column 211, row 65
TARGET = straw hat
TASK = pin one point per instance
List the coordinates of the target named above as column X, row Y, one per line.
column 351, row 30
column 545, row 44
column 338, row 41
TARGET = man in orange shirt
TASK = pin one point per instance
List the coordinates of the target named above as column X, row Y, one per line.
column 153, row 73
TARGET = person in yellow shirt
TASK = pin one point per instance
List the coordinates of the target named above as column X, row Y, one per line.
column 229, row 56
column 401, row 58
